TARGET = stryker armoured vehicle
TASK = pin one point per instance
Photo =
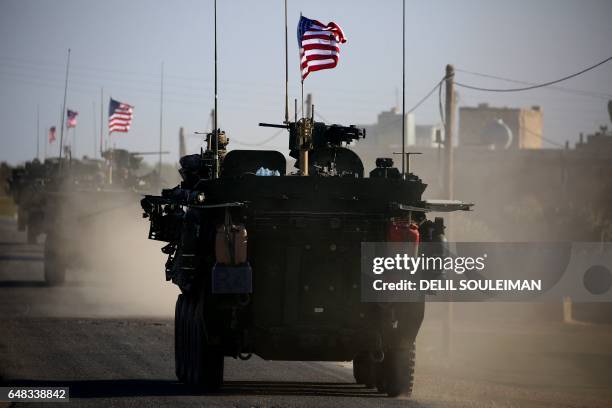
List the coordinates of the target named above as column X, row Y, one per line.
column 26, row 184
column 83, row 191
column 61, row 197
column 290, row 289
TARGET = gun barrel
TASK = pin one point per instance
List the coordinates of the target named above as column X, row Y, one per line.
column 148, row 153
column 273, row 125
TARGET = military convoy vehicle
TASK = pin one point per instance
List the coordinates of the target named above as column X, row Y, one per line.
column 60, row 197
column 268, row 262
column 25, row 185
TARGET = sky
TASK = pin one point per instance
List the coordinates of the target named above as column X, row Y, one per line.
column 120, row 46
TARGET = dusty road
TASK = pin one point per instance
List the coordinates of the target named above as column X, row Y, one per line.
column 110, row 341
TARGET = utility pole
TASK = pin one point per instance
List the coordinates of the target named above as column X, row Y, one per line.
column 449, row 122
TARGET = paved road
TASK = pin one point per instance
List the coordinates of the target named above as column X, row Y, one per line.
column 110, row 341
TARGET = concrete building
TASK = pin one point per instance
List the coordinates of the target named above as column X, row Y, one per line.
column 500, row 128
column 428, row 135
column 387, row 131
column 599, row 142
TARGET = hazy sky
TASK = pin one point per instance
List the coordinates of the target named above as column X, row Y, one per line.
column 119, row 45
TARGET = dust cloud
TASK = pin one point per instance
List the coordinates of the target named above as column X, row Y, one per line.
column 123, row 271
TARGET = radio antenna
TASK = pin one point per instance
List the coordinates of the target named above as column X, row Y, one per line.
column 286, row 70
column 403, row 88
column 215, row 119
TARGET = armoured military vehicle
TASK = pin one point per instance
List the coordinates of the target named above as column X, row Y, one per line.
column 61, row 197
column 26, row 184
column 82, row 192
column 268, row 263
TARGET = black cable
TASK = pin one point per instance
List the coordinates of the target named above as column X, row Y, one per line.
column 423, row 99
column 556, row 88
column 527, row 88
column 263, row 142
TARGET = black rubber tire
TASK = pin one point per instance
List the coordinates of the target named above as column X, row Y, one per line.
column 364, row 370
column 396, row 372
column 197, row 363
column 54, row 269
column 207, row 360
column 179, row 339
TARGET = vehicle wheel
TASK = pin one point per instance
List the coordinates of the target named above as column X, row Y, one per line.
column 364, row 370
column 55, row 271
column 197, row 363
column 396, row 374
column 179, row 339
column 207, row 360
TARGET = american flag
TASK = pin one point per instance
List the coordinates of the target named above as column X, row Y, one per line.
column 119, row 116
column 72, row 122
column 52, row 134
column 319, row 45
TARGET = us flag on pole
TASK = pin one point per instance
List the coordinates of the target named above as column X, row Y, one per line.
column 72, row 121
column 319, row 45
column 119, row 116
column 52, row 134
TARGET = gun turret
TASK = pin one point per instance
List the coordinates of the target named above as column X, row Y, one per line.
column 321, row 134
column 307, row 135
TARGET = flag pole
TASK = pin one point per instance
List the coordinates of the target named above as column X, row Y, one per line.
column 161, row 120
column 38, row 131
column 61, row 113
column 93, row 116
column 286, row 70
column 215, row 119
column 101, row 119
column 300, row 65
column 45, row 147
column 404, row 89
column 61, row 146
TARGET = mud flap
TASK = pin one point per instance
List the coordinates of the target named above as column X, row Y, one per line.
column 229, row 279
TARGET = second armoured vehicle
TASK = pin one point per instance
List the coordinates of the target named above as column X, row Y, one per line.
column 268, row 263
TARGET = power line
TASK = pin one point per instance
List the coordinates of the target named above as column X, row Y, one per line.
column 263, row 142
column 527, row 88
column 556, row 88
column 423, row 99
column 379, row 128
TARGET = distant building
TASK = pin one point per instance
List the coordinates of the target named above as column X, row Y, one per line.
column 387, row 131
column 428, row 135
column 500, row 128
column 599, row 142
